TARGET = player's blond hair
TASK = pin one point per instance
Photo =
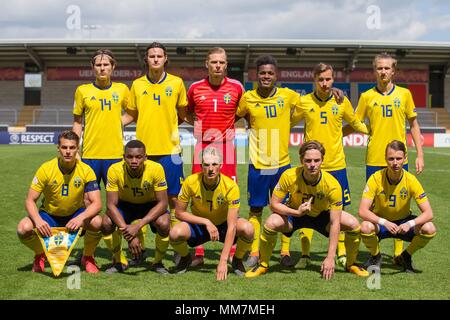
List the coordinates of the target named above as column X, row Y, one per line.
column 211, row 151
column 383, row 56
column 215, row 50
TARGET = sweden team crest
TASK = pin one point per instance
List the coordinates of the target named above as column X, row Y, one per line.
column 169, row 91
column 227, row 98
column 335, row 110
column 58, row 247
column 397, row 102
column 115, row 97
column 280, row 102
column 220, row 199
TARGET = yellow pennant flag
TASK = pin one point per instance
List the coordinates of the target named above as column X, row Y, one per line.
column 58, row 247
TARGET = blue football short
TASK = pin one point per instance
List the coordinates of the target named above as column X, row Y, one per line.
column 318, row 223
column 134, row 211
column 341, row 177
column 200, row 235
column 173, row 169
column 260, row 184
column 100, row 167
column 384, row 233
column 57, row 221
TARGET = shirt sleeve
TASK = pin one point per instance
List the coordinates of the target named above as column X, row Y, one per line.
column 182, row 98
column 242, row 109
column 361, row 108
column 112, row 184
column 297, row 113
column 282, row 187
column 234, row 197
column 352, row 119
column 184, row 194
column 370, row 189
column 39, row 181
column 126, row 98
column 190, row 99
column 91, row 181
column 132, row 105
column 160, row 183
column 410, row 109
column 417, row 191
column 335, row 197
column 78, row 107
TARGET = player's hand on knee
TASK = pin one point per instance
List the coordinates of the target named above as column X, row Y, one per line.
column 74, row 224
column 213, row 231
column 44, row 228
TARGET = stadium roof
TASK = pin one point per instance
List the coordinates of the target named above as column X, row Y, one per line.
column 241, row 53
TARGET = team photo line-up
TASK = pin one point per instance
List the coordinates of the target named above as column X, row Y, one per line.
column 145, row 184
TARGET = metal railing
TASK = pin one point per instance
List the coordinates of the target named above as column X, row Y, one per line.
column 8, row 116
column 52, row 116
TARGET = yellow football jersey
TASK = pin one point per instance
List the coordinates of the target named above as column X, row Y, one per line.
column 393, row 201
column 327, row 193
column 210, row 204
column 102, row 109
column 136, row 190
column 323, row 122
column 157, row 123
column 387, row 115
column 63, row 193
column 270, row 122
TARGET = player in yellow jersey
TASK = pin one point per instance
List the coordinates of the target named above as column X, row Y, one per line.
column 101, row 104
column 386, row 213
column 215, row 202
column 269, row 110
column 137, row 190
column 158, row 104
column 65, row 182
column 323, row 118
column 314, row 201
column 387, row 107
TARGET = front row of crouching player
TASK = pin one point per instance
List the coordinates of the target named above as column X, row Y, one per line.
column 305, row 197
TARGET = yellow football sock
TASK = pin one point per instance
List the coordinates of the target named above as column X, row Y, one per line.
column 161, row 245
column 418, row 242
column 351, row 241
column 142, row 234
column 114, row 243
column 268, row 241
column 341, row 244
column 256, row 222
column 91, row 240
column 242, row 246
column 398, row 247
column 285, row 245
column 370, row 240
column 306, row 235
column 33, row 243
column 181, row 247
column 173, row 218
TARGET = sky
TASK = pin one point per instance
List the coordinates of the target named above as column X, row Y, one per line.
column 385, row 20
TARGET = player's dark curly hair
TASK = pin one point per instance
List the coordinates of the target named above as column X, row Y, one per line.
column 134, row 144
column 265, row 59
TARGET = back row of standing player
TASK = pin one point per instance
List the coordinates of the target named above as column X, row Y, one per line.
column 158, row 103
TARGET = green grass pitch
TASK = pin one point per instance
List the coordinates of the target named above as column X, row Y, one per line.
column 18, row 164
